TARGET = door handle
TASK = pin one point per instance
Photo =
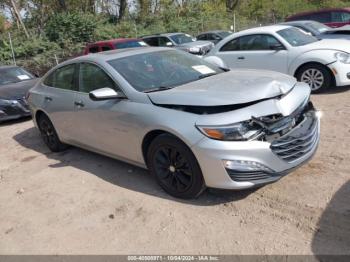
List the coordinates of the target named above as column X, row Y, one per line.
column 48, row 98
column 79, row 103
column 241, row 58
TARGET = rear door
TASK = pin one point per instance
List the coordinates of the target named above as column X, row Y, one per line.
column 255, row 52
column 103, row 125
column 61, row 86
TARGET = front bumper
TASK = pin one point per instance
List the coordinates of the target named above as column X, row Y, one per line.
column 280, row 156
column 14, row 110
column 341, row 73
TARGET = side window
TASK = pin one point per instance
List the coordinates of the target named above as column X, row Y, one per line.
column 202, row 37
column 257, row 42
column 63, row 78
column 321, row 17
column 93, row 49
column 106, row 48
column 152, row 41
column 92, row 77
column 163, row 41
column 232, row 45
column 340, row 17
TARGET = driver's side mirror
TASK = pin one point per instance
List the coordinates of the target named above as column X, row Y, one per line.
column 105, row 93
column 277, row 47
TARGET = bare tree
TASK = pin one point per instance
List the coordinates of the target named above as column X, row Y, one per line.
column 18, row 17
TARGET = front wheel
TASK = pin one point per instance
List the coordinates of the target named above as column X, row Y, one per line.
column 317, row 76
column 175, row 167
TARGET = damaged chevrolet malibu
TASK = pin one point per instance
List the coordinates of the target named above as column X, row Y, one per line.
column 192, row 124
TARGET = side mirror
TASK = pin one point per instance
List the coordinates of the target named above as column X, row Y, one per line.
column 105, row 94
column 277, row 47
column 169, row 44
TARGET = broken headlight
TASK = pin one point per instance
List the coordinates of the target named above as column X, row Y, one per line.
column 242, row 131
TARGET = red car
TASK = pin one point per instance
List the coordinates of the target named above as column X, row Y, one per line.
column 334, row 17
column 118, row 43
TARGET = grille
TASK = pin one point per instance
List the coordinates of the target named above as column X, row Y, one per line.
column 298, row 142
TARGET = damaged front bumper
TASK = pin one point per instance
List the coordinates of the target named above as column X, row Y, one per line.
column 13, row 109
column 241, row 165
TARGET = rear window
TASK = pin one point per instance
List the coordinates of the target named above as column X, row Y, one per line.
column 130, row 44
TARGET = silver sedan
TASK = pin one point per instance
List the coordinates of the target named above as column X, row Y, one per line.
column 192, row 124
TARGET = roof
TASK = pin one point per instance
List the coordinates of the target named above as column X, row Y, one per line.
column 319, row 11
column 115, row 54
column 264, row 29
column 7, row 66
column 162, row 34
column 116, row 40
column 214, row 31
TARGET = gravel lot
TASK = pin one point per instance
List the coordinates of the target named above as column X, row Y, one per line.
column 77, row 202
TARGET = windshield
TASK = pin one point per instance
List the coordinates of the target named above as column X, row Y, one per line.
column 130, row 44
column 13, row 75
column 182, row 38
column 321, row 28
column 224, row 34
column 296, row 37
column 162, row 69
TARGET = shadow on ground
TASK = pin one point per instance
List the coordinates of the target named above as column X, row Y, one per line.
column 15, row 121
column 335, row 90
column 333, row 234
column 119, row 173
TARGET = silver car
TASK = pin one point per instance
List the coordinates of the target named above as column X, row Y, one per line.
column 192, row 124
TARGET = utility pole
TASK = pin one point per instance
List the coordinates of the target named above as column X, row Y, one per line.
column 12, row 51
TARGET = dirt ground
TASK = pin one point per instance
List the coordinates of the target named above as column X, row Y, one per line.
column 77, row 202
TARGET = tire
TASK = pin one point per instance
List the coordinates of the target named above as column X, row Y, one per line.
column 317, row 76
column 49, row 135
column 175, row 167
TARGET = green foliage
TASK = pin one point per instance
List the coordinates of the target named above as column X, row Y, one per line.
column 71, row 27
column 2, row 24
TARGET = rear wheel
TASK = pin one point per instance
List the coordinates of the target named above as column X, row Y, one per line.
column 175, row 167
column 49, row 135
column 317, row 76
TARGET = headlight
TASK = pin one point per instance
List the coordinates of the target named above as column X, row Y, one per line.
column 5, row 102
column 194, row 49
column 242, row 131
column 342, row 57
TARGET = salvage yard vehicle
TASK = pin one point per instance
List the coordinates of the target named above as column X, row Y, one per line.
column 321, row 31
column 119, row 43
column 15, row 82
column 192, row 124
column 214, row 36
column 320, row 63
column 333, row 17
column 180, row 41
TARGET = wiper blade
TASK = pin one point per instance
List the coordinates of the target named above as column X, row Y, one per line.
column 160, row 88
column 207, row 75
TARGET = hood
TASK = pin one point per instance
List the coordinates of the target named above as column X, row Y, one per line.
column 330, row 44
column 342, row 28
column 17, row 90
column 197, row 44
column 334, row 36
column 230, row 88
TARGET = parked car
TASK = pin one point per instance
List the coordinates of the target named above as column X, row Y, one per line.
column 14, row 84
column 192, row 124
column 180, row 41
column 119, row 43
column 334, row 17
column 214, row 36
column 321, row 31
column 286, row 49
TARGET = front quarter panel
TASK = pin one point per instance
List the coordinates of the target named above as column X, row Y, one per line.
column 323, row 57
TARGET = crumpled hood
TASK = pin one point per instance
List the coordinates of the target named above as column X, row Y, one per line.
column 230, row 88
column 17, row 90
